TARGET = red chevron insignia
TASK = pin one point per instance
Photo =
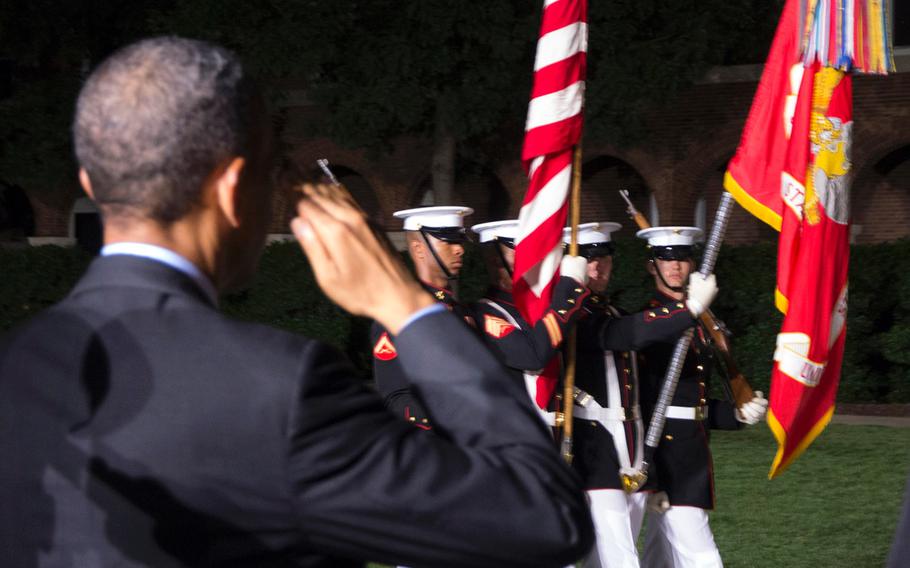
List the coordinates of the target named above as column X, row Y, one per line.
column 384, row 350
column 497, row 327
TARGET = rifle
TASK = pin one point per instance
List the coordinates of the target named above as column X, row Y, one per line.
column 740, row 389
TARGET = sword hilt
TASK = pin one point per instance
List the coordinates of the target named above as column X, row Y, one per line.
column 566, row 449
column 632, row 482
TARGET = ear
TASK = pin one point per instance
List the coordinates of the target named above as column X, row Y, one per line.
column 226, row 188
column 86, row 183
column 652, row 270
column 417, row 250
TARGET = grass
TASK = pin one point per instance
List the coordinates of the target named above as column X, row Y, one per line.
column 835, row 507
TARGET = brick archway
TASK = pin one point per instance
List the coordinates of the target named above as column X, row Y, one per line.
column 17, row 218
column 880, row 197
column 602, row 178
column 476, row 186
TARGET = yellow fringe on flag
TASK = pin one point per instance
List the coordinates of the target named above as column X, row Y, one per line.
column 780, row 464
column 751, row 204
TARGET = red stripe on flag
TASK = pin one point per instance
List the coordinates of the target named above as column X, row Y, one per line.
column 529, row 304
column 551, row 138
column 538, row 244
column 559, row 75
column 547, row 170
column 563, row 13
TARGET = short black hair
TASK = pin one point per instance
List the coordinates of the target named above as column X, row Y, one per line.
column 153, row 121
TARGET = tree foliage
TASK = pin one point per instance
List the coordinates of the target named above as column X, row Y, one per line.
column 378, row 69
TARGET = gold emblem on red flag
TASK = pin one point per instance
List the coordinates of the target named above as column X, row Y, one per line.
column 384, row 350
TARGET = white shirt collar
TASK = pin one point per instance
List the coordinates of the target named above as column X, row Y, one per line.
column 164, row 256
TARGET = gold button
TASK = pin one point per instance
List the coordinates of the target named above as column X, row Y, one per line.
column 626, row 370
column 625, row 354
column 701, row 384
column 651, row 314
column 571, row 301
column 561, row 312
column 700, row 367
column 702, row 401
column 424, row 420
column 679, row 305
column 579, row 290
column 668, row 437
column 412, row 419
column 593, row 423
column 628, row 387
column 665, row 310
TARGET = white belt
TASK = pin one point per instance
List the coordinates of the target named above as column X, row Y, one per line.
column 587, row 408
column 601, row 414
column 687, row 412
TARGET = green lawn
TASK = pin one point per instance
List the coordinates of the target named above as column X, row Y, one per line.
column 836, row 507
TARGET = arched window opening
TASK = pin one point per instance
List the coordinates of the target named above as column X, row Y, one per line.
column 85, row 225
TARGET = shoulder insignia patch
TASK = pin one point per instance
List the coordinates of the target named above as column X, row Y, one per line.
column 384, row 350
column 496, row 326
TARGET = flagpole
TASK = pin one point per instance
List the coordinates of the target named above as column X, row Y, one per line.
column 568, row 395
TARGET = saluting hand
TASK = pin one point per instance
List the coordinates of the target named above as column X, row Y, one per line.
column 352, row 265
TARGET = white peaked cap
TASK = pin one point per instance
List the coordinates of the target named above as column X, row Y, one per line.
column 670, row 236
column 496, row 230
column 434, row 217
column 592, row 233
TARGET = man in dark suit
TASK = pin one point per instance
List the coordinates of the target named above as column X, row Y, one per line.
column 140, row 427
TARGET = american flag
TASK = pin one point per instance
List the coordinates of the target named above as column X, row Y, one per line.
column 553, row 128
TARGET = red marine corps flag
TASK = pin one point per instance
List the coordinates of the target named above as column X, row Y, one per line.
column 792, row 170
column 553, row 128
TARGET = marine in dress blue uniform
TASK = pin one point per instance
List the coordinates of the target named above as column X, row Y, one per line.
column 531, row 351
column 435, row 239
column 678, row 531
column 608, row 432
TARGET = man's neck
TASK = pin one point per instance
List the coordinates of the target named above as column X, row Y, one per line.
column 183, row 238
column 679, row 296
column 432, row 277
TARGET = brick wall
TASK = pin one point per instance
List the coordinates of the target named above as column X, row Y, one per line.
column 679, row 162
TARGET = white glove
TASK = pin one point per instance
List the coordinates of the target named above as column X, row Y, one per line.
column 700, row 293
column 754, row 410
column 575, row 267
column 658, row 502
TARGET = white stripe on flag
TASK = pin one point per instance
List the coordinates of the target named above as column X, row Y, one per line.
column 535, row 163
column 541, row 274
column 561, row 44
column 546, row 3
column 850, row 23
column 548, row 201
column 555, row 107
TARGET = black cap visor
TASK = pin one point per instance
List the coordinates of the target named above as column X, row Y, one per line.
column 594, row 250
column 454, row 235
column 675, row 252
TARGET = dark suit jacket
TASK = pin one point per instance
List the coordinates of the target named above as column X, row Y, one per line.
column 140, row 427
